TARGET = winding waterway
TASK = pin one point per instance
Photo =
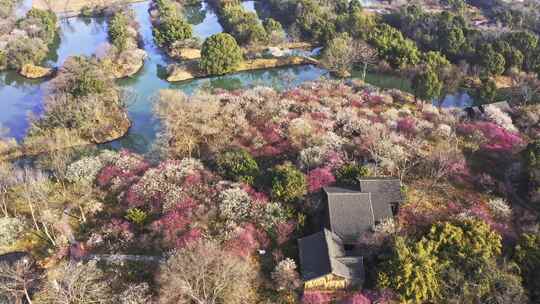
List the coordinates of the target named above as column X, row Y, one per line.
column 85, row 36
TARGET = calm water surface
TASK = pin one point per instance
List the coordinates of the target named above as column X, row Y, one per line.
column 249, row 6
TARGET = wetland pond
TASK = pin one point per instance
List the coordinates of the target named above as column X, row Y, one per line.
column 20, row 97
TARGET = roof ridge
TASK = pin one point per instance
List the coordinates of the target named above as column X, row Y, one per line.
column 371, row 209
column 379, row 179
column 350, row 193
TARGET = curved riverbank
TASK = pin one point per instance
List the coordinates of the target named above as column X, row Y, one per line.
column 191, row 70
column 63, row 139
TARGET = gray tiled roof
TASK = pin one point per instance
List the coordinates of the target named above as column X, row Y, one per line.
column 314, row 256
column 353, row 267
column 350, row 213
column 383, row 192
column 322, row 253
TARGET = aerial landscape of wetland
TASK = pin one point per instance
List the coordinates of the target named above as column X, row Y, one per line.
column 269, row 151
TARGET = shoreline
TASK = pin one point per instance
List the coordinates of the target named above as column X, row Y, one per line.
column 190, row 70
column 73, row 8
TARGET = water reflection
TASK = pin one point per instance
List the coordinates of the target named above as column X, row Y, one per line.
column 249, row 6
column 459, row 100
column 195, row 14
column 22, row 8
column 78, row 36
column 210, row 25
column 18, row 98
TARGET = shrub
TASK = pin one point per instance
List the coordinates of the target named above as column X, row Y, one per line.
column 527, row 255
column 468, row 244
column 6, row 7
column 3, row 59
column 172, row 29
column 486, row 92
column 461, row 252
column 314, row 21
column 426, row 85
column 238, row 165
column 18, row 280
column 84, row 170
column 44, row 21
column 136, row 216
column 235, row 205
column 319, row 178
column 349, row 174
column 82, row 77
column 315, row 297
column 493, row 62
column 25, row 51
column 228, row 278
column 243, row 25
column 70, row 282
column 275, row 31
column 285, row 276
column 413, row 272
column 220, row 54
column 357, row 298
column 340, row 55
column 135, row 294
column 118, row 30
column 394, row 48
column 288, row 184
column 11, row 229
column 87, row 11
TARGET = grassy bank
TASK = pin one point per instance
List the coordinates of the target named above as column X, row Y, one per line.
column 191, row 70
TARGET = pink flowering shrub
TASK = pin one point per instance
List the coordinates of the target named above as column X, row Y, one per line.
column 255, row 196
column 407, row 126
column 357, row 298
column 460, row 172
column 247, row 240
column 118, row 234
column 161, row 188
column 497, row 139
column 315, row 297
column 481, row 211
column 190, row 237
column 284, row 231
column 174, row 226
column 334, row 160
column 319, row 178
column 413, row 216
column 124, row 169
column 77, row 251
column 107, row 174
column 385, row 296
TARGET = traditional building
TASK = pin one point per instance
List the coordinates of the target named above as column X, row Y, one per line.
column 349, row 213
column 325, row 258
column 325, row 264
